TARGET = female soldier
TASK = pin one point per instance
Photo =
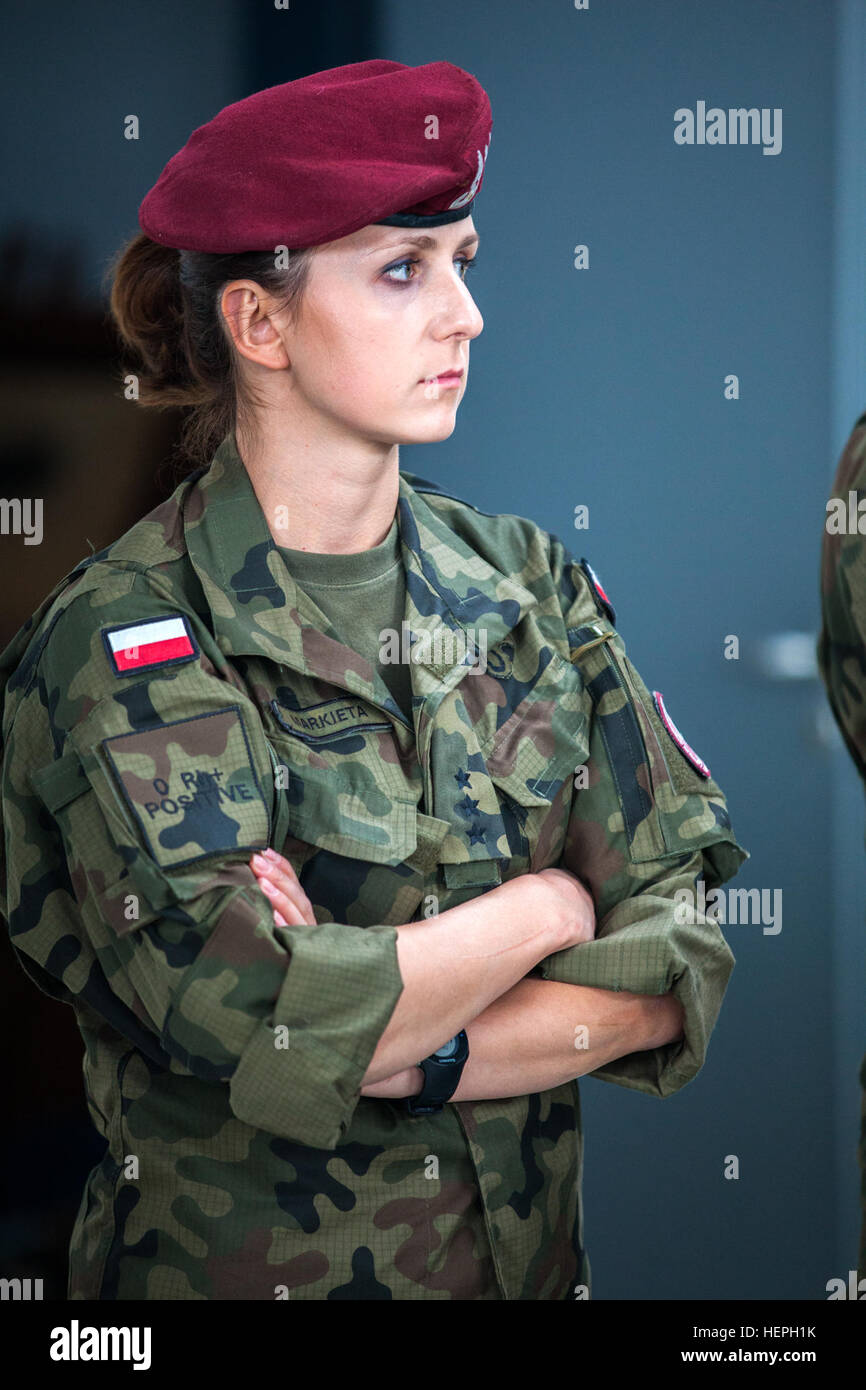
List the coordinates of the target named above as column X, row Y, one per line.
column 320, row 883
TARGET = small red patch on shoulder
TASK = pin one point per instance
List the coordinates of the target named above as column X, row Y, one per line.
column 685, row 748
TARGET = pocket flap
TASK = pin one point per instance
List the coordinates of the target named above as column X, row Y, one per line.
column 365, row 822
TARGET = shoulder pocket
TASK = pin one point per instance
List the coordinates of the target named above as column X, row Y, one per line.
column 161, row 807
column 97, row 862
column 190, row 786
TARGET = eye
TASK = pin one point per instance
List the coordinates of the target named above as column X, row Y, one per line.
column 400, row 265
column 467, row 263
column 391, row 271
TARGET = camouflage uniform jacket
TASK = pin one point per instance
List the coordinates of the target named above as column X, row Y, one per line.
column 842, row 641
column 842, row 655
column 178, row 702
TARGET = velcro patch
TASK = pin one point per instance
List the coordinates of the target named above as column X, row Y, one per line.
column 687, row 751
column 328, row 719
column 153, row 642
column 602, row 601
column 192, row 787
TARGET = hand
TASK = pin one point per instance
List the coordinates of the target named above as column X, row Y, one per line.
column 576, row 902
column 409, row 1082
column 279, row 883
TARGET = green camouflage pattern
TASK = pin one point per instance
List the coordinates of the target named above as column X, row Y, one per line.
column 224, row 1055
column 842, row 657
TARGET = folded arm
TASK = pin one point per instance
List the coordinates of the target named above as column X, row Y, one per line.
column 533, row 1035
column 540, row 1034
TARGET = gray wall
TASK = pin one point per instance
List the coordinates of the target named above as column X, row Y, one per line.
column 72, row 73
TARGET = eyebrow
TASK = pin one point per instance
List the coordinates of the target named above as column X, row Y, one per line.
column 424, row 242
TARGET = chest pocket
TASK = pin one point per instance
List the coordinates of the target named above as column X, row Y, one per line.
column 532, row 760
column 501, row 802
column 340, row 794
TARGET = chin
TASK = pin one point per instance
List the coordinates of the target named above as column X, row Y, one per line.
column 428, row 434
column 443, row 431
column 432, row 430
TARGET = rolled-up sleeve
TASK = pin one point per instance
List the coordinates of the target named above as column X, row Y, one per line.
column 650, row 837
column 301, row 1072
column 643, row 945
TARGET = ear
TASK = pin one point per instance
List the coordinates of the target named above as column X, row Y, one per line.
column 246, row 310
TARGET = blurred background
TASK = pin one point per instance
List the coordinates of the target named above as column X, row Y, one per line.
column 601, row 387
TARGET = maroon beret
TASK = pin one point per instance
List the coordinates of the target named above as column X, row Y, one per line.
column 313, row 160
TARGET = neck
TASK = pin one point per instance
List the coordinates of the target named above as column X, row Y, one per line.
column 320, row 489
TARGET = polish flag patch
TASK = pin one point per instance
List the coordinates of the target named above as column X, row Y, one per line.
column 686, row 749
column 153, row 642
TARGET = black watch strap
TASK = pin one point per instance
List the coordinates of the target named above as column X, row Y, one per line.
column 442, row 1071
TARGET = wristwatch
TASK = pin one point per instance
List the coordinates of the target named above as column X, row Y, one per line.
column 442, row 1071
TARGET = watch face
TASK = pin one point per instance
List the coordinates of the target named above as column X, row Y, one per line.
column 447, row 1049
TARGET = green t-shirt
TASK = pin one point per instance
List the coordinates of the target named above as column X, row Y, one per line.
column 360, row 594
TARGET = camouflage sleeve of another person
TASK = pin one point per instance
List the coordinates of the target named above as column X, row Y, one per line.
column 646, row 826
column 161, row 783
column 842, row 640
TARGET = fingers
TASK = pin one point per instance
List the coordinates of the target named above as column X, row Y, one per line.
column 282, row 904
column 279, row 883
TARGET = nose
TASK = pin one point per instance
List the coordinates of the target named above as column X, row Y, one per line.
column 457, row 313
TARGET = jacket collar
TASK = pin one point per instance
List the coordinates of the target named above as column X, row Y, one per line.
column 258, row 609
